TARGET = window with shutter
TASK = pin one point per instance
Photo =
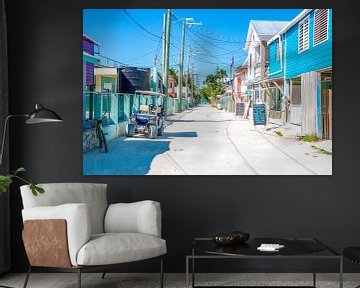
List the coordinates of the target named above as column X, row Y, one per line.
column 304, row 35
column 321, row 26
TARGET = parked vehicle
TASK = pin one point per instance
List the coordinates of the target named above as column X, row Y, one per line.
column 149, row 119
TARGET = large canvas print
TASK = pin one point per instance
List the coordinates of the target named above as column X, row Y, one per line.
column 207, row 92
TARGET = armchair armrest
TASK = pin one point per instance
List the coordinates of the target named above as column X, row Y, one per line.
column 78, row 225
column 138, row 217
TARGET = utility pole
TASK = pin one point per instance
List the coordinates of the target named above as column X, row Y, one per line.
column 166, row 52
column 181, row 65
column 164, row 45
column 187, row 21
column 192, row 86
column 187, row 78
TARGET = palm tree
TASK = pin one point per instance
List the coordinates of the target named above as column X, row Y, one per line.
column 174, row 74
column 221, row 74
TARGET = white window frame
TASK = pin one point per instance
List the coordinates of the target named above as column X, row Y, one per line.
column 308, row 36
column 327, row 28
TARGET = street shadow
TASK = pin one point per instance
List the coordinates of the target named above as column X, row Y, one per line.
column 198, row 121
column 172, row 135
column 127, row 156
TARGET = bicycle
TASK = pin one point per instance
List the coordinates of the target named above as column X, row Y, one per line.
column 101, row 136
column 96, row 124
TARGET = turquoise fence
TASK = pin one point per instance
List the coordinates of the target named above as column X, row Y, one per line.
column 227, row 103
column 118, row 107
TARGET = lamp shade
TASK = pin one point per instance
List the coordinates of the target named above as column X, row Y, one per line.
column 42, row 115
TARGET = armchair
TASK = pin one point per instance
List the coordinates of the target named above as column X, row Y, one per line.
column 71, row 228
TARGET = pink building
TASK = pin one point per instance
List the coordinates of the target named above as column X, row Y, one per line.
column 239, row 83
column 171, row 86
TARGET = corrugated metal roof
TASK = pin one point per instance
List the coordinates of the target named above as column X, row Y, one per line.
column 290, row 24
column 92, row 40
column 266, row 29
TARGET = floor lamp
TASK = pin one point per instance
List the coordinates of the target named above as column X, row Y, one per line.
column 39, row 115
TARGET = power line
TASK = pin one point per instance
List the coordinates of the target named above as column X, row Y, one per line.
column 144, row 34
column 142, row 27
column 158, row 49
column 219, row 40
column 212, row 44
column 130, row 60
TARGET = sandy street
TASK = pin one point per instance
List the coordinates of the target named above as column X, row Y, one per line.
column 207, row 141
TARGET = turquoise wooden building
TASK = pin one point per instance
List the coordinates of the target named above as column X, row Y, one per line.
column 300, row 64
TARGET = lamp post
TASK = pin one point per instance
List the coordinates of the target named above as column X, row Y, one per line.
column 39, row 115
column 188, row 22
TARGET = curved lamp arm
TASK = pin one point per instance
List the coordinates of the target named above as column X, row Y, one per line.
column 4, row 134
column 39, row 115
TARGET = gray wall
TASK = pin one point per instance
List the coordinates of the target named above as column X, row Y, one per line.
column 46, row 66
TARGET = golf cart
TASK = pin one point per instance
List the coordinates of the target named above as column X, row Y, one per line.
column 149, row 117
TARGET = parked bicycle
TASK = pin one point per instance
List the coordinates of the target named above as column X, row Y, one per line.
column 101, row 136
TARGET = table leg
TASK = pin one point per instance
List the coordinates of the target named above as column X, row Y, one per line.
column 187, row 272
column 314, row 271
column 193, row 272
column 341, row 273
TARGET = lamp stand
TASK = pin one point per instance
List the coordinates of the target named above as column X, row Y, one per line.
column 4, row 135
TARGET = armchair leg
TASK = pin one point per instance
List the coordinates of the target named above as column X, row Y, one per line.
column 27, row 277
column 103, row 275
column 79, row 277
column 161, row 273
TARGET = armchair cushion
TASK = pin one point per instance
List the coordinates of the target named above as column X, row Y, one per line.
column 78, row 221
column 93, row 194
column 113, row 248
column 138, row 217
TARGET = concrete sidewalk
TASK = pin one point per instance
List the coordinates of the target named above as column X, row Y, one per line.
column 292, row 131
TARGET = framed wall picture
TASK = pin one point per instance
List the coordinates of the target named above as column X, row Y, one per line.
column 207, row 91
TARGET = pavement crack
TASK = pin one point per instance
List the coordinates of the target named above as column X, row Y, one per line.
column 239, row 152
column 289, row 156
column 175, row 163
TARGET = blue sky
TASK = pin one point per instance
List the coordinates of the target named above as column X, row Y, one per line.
column 221, row 35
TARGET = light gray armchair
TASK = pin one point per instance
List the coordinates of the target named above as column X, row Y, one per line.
column 72, row 228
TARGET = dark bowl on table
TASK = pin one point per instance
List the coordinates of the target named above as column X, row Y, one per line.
column 231, row 238
column 225, row 239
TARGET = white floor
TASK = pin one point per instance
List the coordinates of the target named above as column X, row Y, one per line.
column 119, row 280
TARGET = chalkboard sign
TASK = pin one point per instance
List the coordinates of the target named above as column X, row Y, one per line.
column 240, row 109
column 259, row 114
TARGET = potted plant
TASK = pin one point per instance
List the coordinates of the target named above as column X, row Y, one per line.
column 6, row 180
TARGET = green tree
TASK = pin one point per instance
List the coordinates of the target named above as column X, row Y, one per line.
column 206, row 93
column 221, row 74
column 214, row 84
column 174, row 74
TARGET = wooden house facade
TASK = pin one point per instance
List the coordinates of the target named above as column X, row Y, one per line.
column 300, row 59
column 259, row 32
